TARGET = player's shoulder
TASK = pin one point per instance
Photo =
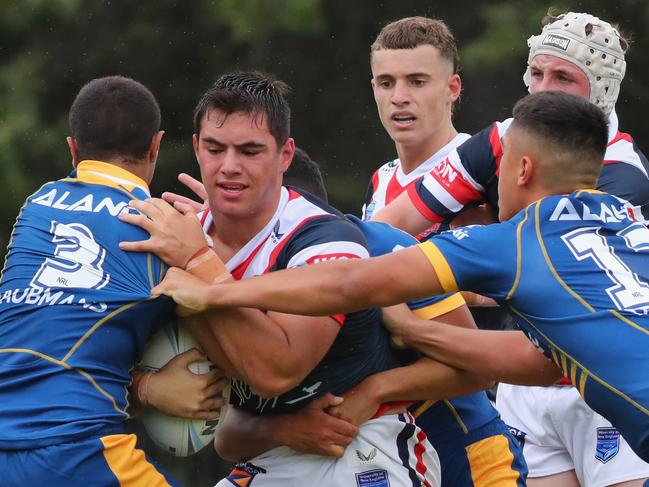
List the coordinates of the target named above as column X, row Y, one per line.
column 381, row 237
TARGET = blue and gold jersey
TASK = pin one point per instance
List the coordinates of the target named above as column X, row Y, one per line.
column 445, row 420
column 574, row 271
column 75, row 310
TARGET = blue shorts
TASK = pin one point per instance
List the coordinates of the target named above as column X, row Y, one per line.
column 109, row 461
column 485, row 457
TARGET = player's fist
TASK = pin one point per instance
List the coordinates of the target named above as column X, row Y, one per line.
column 190, row 293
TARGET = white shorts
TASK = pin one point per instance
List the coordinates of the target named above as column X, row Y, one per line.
column 390, row 451
column 562, row 433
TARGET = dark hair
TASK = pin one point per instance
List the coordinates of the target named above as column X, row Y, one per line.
column 571, row 127
column 304, row 173
column 114, row 117
column 412, row 32
column 253, row 93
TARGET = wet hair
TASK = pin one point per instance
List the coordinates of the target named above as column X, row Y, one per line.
column 254, row 93
column 412, row 32
column 304, row 173
column 572, row 133
column 114, row 117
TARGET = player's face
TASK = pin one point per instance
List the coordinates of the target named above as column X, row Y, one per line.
column 241, row 165
column 552, row 73
column 509, row 191
column 414, row 91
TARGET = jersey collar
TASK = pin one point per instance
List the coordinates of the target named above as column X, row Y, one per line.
column 97, row 172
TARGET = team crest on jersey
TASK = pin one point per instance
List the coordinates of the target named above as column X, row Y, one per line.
column 608, row 444
column 373, row 478
column 243, row 473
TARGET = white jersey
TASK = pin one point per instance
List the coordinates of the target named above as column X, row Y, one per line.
column 306, row 231
column 389, row 181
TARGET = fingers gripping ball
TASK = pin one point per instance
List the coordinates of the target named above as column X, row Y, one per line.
column 178, row 436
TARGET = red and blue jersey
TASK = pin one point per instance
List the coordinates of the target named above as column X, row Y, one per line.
column 469, row 175
column 573, row 270
column 306, row 231
column 75, row 310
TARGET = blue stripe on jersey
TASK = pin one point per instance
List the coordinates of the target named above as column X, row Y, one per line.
column 407, row 432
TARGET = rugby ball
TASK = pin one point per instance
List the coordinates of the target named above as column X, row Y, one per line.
column 178, row 436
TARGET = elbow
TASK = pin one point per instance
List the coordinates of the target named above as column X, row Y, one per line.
column 271, row 383
column 272, row 387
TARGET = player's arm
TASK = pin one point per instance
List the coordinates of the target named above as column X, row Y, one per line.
column 323, row 289
column 404, row 215
column 308, row 430
column 456, row 183
column 505, row 356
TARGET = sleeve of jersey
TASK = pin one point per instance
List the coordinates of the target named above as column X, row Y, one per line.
column 627, row 182
column 383, row 239
column 460, row 179
column 326, row 239
column 481, row 259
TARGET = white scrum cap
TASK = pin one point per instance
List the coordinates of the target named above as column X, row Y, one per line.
column 591, row 44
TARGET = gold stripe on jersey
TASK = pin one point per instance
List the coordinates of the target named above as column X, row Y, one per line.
column 94, row 327
column 582, row 382
column 97, row 172
column 129, row 464
column 425, row 406
column 490, row 462
column 67, row 366
column 628, row 321
column 446, row 305
column 457, row 416
column 549, row 262
column 519, row 254
column 440, row 265
column 583, row 369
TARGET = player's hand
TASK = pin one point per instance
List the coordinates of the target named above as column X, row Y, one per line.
column 176, row 234
column 360, row 404
column 177, row 391
column 313, row 430
column 395, row 319
column 189, row 292
column 196, row 186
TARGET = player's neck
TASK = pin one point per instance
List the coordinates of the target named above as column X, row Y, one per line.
column 232, row 233
column 413, row 156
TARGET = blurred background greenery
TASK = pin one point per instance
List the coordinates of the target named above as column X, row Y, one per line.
column 50, row 48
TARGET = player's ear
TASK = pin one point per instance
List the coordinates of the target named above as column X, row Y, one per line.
column 526, row 170
column 454, row 87
column 287, row 151
column 72, row 145
column 155, row 145
column 195, row 144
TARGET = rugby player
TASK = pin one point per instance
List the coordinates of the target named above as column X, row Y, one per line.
column 415, row 81
column 580, row 54
column 281, row 362
column 75, row 311
column 569, row 247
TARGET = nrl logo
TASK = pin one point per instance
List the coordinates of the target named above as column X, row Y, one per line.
column 556, row 41
column 366, row 458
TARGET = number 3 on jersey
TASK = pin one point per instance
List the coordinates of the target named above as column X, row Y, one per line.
column 628, row 293
column 78, row 259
